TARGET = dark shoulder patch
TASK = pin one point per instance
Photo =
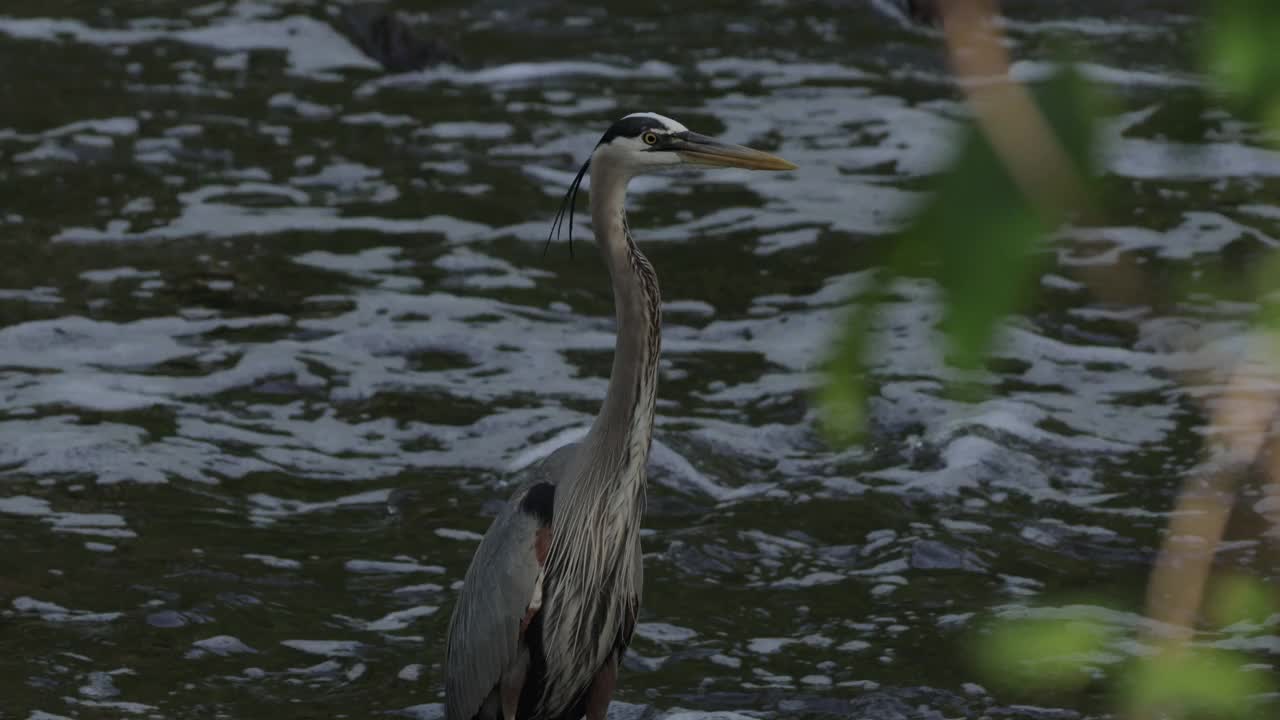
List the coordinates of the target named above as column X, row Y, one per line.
column 631, row 127
column 628, row 626
column 539, row 502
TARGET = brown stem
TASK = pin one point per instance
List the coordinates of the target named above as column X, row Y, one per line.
column 1015, row 127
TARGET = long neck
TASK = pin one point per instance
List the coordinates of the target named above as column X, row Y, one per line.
column 623, row 429
column 593, row 575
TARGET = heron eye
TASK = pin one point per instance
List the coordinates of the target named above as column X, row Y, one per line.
column 650, row 139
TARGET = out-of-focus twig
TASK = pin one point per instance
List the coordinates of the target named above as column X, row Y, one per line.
column 1021, row 136
column 1242, row 418
column 1015, row 127
column 1175, row 593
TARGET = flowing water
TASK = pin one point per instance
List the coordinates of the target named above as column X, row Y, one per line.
column 278, row 327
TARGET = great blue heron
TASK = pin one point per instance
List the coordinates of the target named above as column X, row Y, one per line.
column 550, row 600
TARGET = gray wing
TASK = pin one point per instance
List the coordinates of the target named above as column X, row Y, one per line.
column 484, row 633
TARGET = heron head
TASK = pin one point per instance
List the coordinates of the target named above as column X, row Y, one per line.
column 648, row 142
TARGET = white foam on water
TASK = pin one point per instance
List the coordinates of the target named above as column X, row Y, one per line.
column 675, row 471
column 479, row 270
column 267, row 509
column 322, row 669
column 418, row 589
column 327, row 648
column 664, row 632
column 813, row 579
column 73, row 341
column 681, row 474
column 363, row 263
column 378, row 119
column 681, row 714
column 692, row 308
column 1087, row 26
column 273, row 561
column 312, row 46
column 52, row 612
column 352, row 178
column 24, row 505
column 222, row 645
column 1100, row 425
column 524, row 73
column 1199, row 233
column 94, row 141
column 470, row 130
column 965, row 526
column 768, row 646
column 385, row 567
column 100, row 524
column 400, row 619
column 534, row 453
column 726, row 661
column 1164, row 160
column 304, row 108
column 132, row 708
column 775, row 242
column 46, row 152
column 115, row 127
column 38, row 295
column 426, row 711
column 112, row 453
column 206, row 214
column 1030, row 71
column 772, row 73
column 111, row 275
column 464, row 535
column 99, row 686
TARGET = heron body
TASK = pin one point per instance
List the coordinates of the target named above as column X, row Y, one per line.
column 550, row 600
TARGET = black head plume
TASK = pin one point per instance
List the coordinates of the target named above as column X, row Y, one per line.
column 570, row 203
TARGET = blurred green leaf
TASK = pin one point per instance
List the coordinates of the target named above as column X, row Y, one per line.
column 1266, row 283
column 1196, row 683
column 978, row 236
column 980, row 232
column 1239, row 598
column 1271, row 118
column 1240, row 54
column 842, row 399
column 1036, row 655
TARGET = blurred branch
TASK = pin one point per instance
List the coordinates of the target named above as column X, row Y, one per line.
column 1005, row 111
column 1176, row 590
column 1022, row 137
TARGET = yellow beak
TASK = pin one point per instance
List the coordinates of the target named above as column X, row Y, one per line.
column 701, row 150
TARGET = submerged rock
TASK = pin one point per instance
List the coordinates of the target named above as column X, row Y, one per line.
column 388, row 38
column 935, row 555
column 923, row 11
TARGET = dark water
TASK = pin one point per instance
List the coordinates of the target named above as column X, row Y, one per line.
column 277, row 326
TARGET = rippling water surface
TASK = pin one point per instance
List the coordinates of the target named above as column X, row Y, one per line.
column 277, row 326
